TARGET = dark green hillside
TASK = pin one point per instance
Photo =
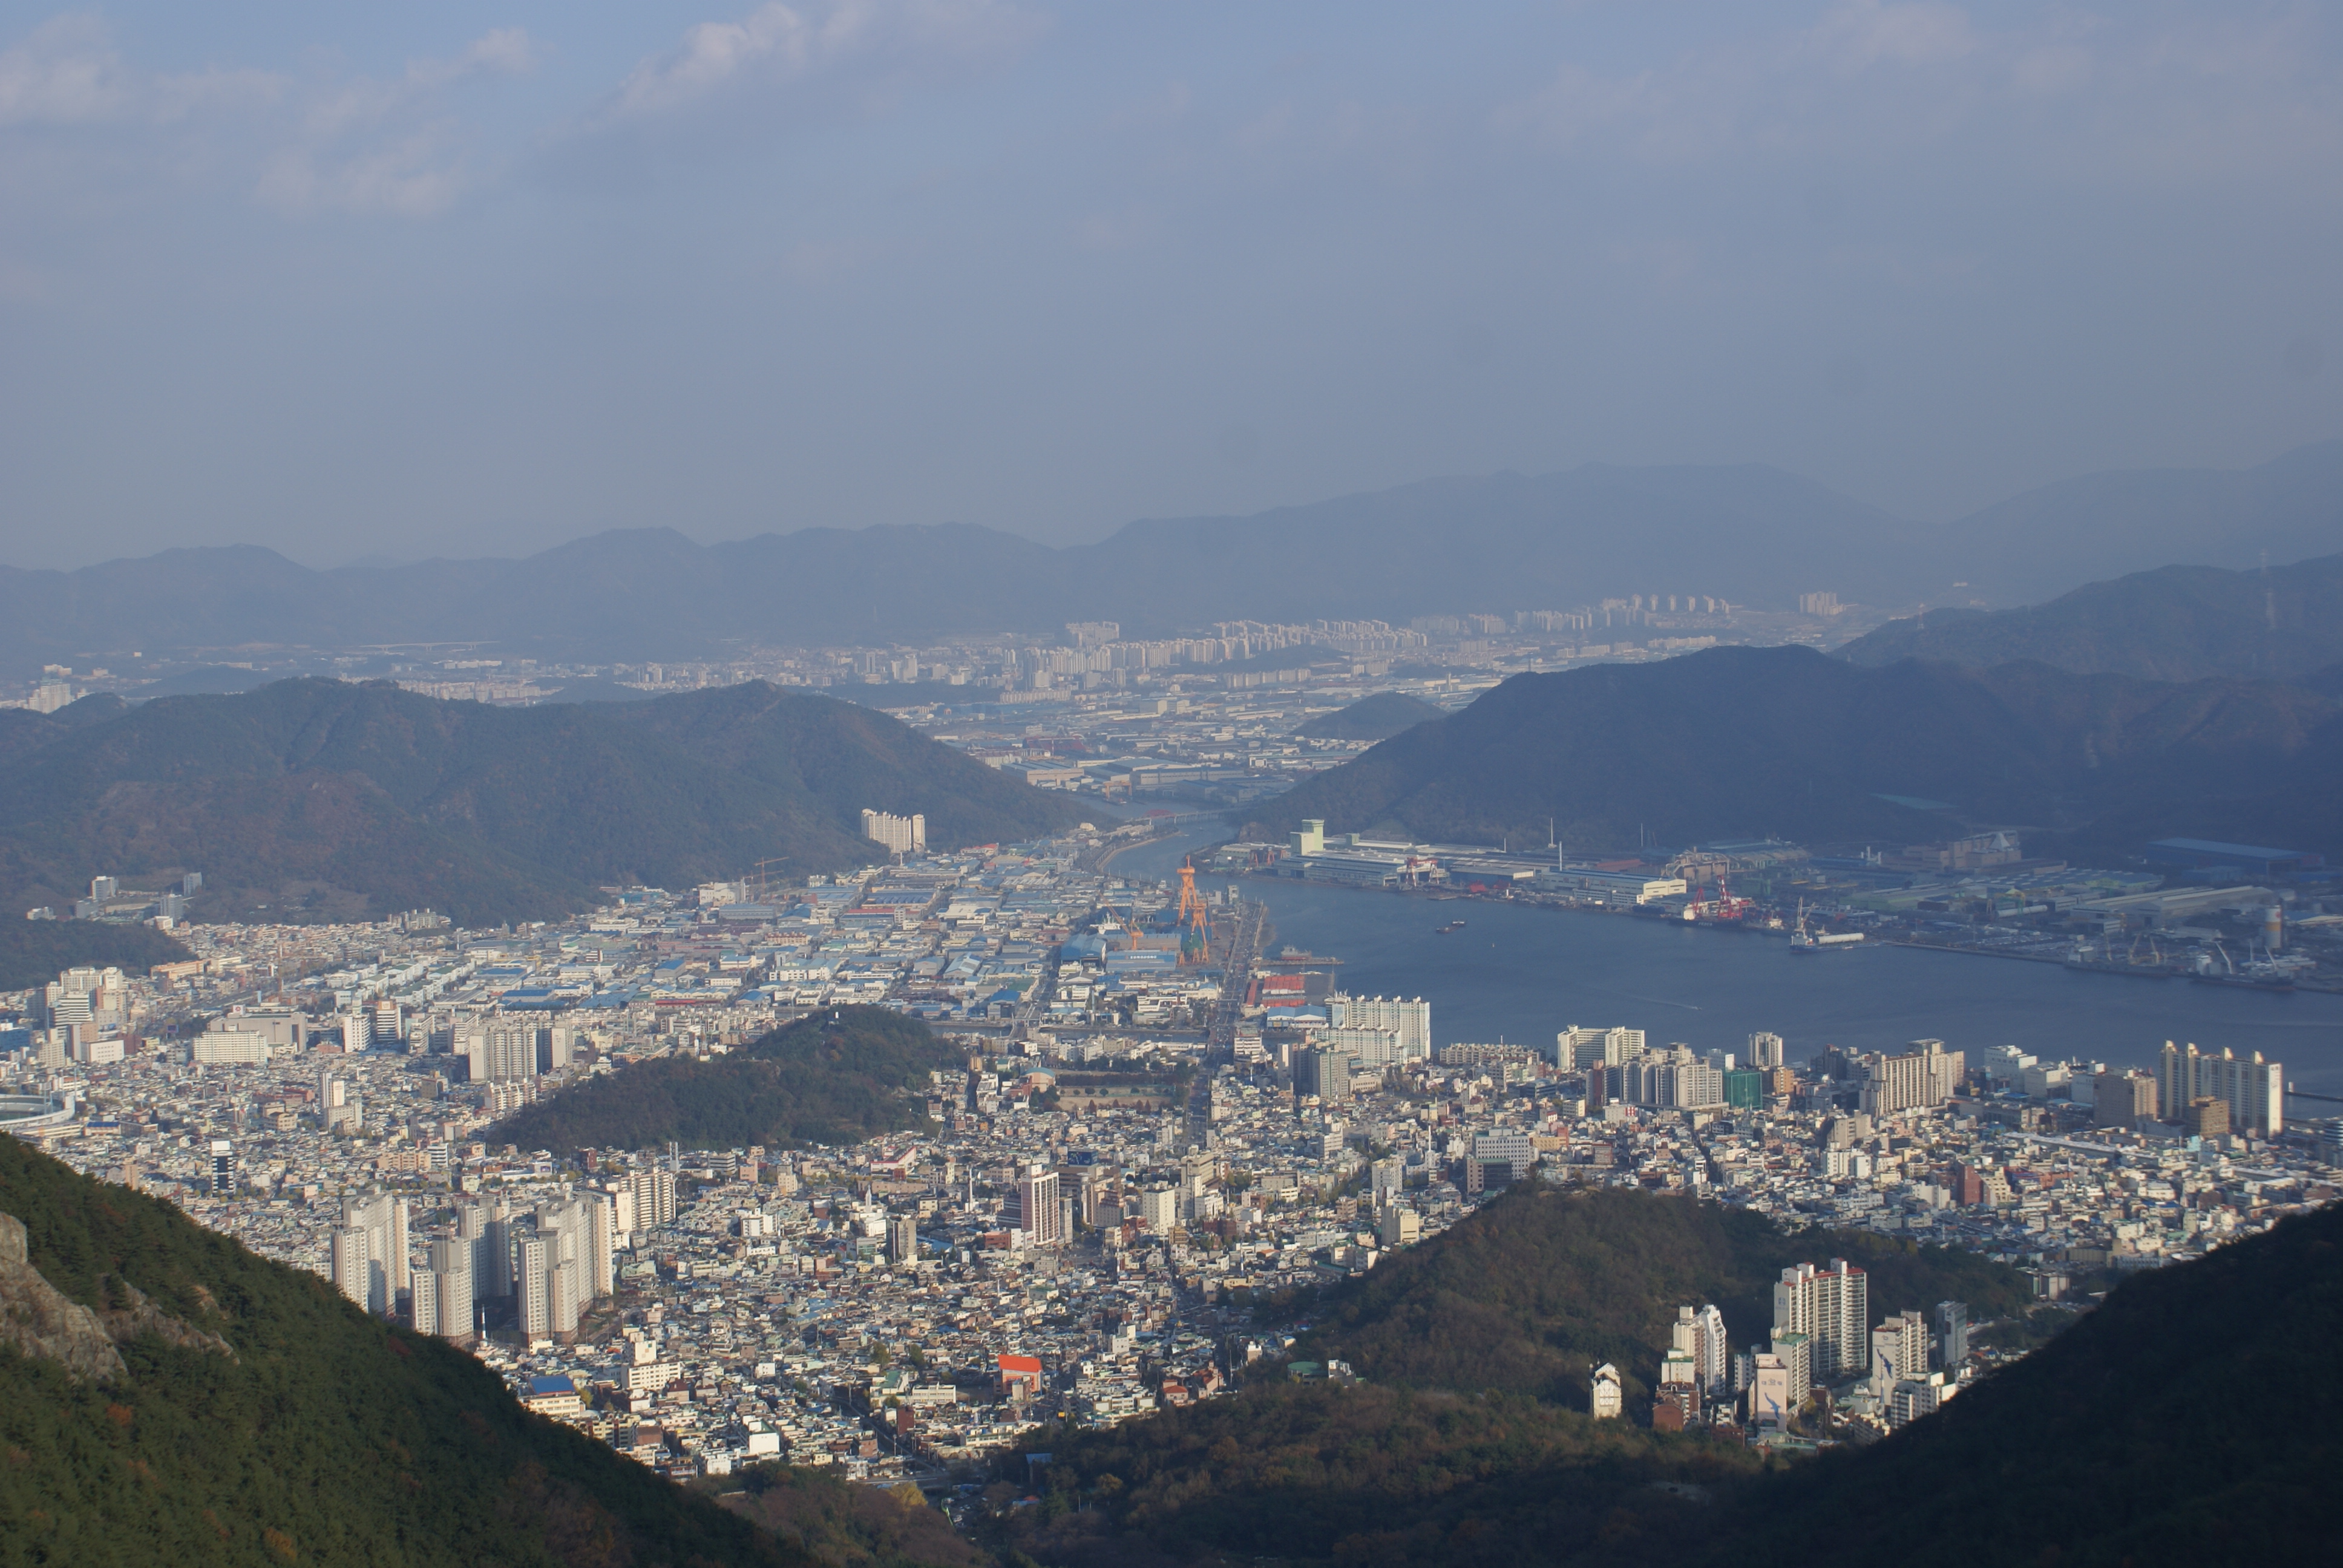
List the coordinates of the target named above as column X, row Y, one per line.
column 1740, row 742
column 2176, row 623
column 1536, row 1287
column 1320, row 1474
column 836, row 1076
column 326, row 1438
column 841, row 757
column 1376, row 717
column 33, row 951
column 1467, row 1443
column 2186, row 1420
column 845, row 1523
column 320, row 796
column 2183, row 1422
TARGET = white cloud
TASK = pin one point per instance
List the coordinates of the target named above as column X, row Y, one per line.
column 390, row 147
column 1865, row 33
column 1581, row 104
column 67, row 73
column 412, row 176
column 506, row 51
column 352, row 144
column 779, row 42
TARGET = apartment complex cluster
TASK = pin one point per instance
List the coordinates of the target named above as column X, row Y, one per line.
column 532, row 1268
column 1823, row 1338
column 1088, row 655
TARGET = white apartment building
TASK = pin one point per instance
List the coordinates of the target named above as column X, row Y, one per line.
column 1832, row 1307
column 1577, row 1049
column 1899, row 1349
column 367, row 1254
column 2254, row 1090
column 1926, row 1075
column 1410, row 1020
column 903, row 835
column 230, row 1046
column 1039, row 1214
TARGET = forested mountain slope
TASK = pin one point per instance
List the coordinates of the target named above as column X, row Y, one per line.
column 2176, row 623
column 319, row 797
column 230, row 1409
column 1738, row 742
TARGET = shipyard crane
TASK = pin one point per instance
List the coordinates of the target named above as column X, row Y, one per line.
column 1195, row 915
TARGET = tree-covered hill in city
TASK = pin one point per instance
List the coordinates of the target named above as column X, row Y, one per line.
column 1740, row 742
column 254, row 1416
column 1468, row 1442
column 2138, row 1437
column 2176, row 623
column 312, row 798
column 31, row 952
column 1537, row 1289
column 837, row 1076
column 1311, row 1474
column 845, row 1523
column 2162, row 1428
column 1375, row 718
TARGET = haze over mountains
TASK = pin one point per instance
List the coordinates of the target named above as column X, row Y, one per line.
column 314, row 797
column 1504, row 542
column 2176, row 623
column 1737, row 742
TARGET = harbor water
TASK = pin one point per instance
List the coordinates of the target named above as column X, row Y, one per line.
column 1520, row 972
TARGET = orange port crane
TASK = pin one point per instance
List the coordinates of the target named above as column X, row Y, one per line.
column 1193, row 914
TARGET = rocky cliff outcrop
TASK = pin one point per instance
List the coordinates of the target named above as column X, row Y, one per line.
column 40, row 1320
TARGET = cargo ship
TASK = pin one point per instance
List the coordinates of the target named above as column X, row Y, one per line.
column 1803, row 941
column 2260, row 975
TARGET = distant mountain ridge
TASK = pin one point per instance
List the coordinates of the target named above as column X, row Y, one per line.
column 1746, row 742
column 1497, row 543
column 364, row 800
column 2176, row 623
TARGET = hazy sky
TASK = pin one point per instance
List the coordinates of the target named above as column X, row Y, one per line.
column 431, row 279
